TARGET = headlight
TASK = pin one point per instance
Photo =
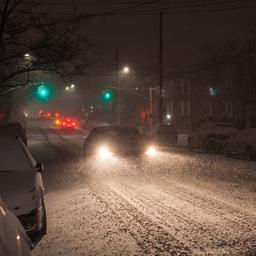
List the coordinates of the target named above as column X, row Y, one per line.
column 104, row 152
column 151, row 151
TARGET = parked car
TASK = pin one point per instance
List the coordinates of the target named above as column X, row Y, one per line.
column 14, row 129
column 116, row 140
column 210, row 136
column 13, row 238
column 21, row 186
column 242, row 144
column 166, row 135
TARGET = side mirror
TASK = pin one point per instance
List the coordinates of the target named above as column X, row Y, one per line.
column 39, row 167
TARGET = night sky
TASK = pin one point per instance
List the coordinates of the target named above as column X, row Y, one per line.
column 136, row 36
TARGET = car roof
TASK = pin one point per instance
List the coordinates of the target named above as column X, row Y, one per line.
column 16, row 125
column 225, row 124
column 9, row 138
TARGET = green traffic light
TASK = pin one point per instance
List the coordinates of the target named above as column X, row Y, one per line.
column 107, row 95
column 43, row 92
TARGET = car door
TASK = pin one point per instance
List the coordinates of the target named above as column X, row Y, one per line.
column 234, row 144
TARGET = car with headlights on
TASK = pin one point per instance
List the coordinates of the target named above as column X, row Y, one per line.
column 211, row 136
column 116, row 140
column 21, row 186
column 243, row 144
column 13, row 238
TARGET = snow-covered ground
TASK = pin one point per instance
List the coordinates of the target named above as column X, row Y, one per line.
column 176, row 203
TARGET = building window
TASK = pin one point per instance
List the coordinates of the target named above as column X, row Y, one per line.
column 207, row 108
column 182, row 86
column 183, row 107
column 228, row 108
column 169, row 107
column 228, row 86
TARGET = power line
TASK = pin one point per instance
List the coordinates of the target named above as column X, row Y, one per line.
column 200, row 69
column 166, row 2
column 218, row 63
column 156, row 11
column 166, row 10
column 111, row 12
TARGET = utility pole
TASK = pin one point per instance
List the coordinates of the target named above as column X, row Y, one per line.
column 150, row 106
column 119, row 89
column 160, row 67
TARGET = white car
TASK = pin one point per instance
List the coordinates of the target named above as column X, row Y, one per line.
column 211, row 136
column 21, row 186
column 13, row 239
column 243, row 144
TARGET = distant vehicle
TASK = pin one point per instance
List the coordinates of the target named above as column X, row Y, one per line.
column 210, row 136
column 68, row 123
column 57, row 122
column 116, row 140
column 242, row 144
column 166, row 135
column 14, row 129
column 13, row 238
column 44, row 114
column 21, row 186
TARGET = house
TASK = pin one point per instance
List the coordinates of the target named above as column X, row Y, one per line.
column 177, row 103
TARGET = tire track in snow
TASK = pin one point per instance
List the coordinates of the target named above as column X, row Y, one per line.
column 151, row 237
column 197, row 235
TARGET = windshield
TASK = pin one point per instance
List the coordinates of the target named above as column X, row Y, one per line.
column 13, row 157
column 117, row 133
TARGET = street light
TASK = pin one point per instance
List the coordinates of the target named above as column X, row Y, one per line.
column 67, row 88
column 72, row 86
column 27, row 56
column 125, row 70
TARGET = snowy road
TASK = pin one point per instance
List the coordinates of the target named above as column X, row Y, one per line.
column 176, row 203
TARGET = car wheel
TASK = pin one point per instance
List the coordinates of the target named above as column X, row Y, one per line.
column 249, row 154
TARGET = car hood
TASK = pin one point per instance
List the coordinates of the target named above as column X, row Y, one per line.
column 20, row 191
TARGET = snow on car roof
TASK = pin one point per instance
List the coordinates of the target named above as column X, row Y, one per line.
column 12, row 148
column 225, row 124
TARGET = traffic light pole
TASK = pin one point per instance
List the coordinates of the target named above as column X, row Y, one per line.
column 119, row 89
column 160, row 67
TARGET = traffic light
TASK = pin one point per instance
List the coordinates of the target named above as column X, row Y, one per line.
column 42, row 92
column 107, row 95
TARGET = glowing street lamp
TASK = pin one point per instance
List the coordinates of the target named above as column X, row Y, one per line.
column 126, row 70
column 72, row 86
column 67, row 88
column 168, row 116
column 27, row 56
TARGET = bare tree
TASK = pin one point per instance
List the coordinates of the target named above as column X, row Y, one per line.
column 32, row 43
